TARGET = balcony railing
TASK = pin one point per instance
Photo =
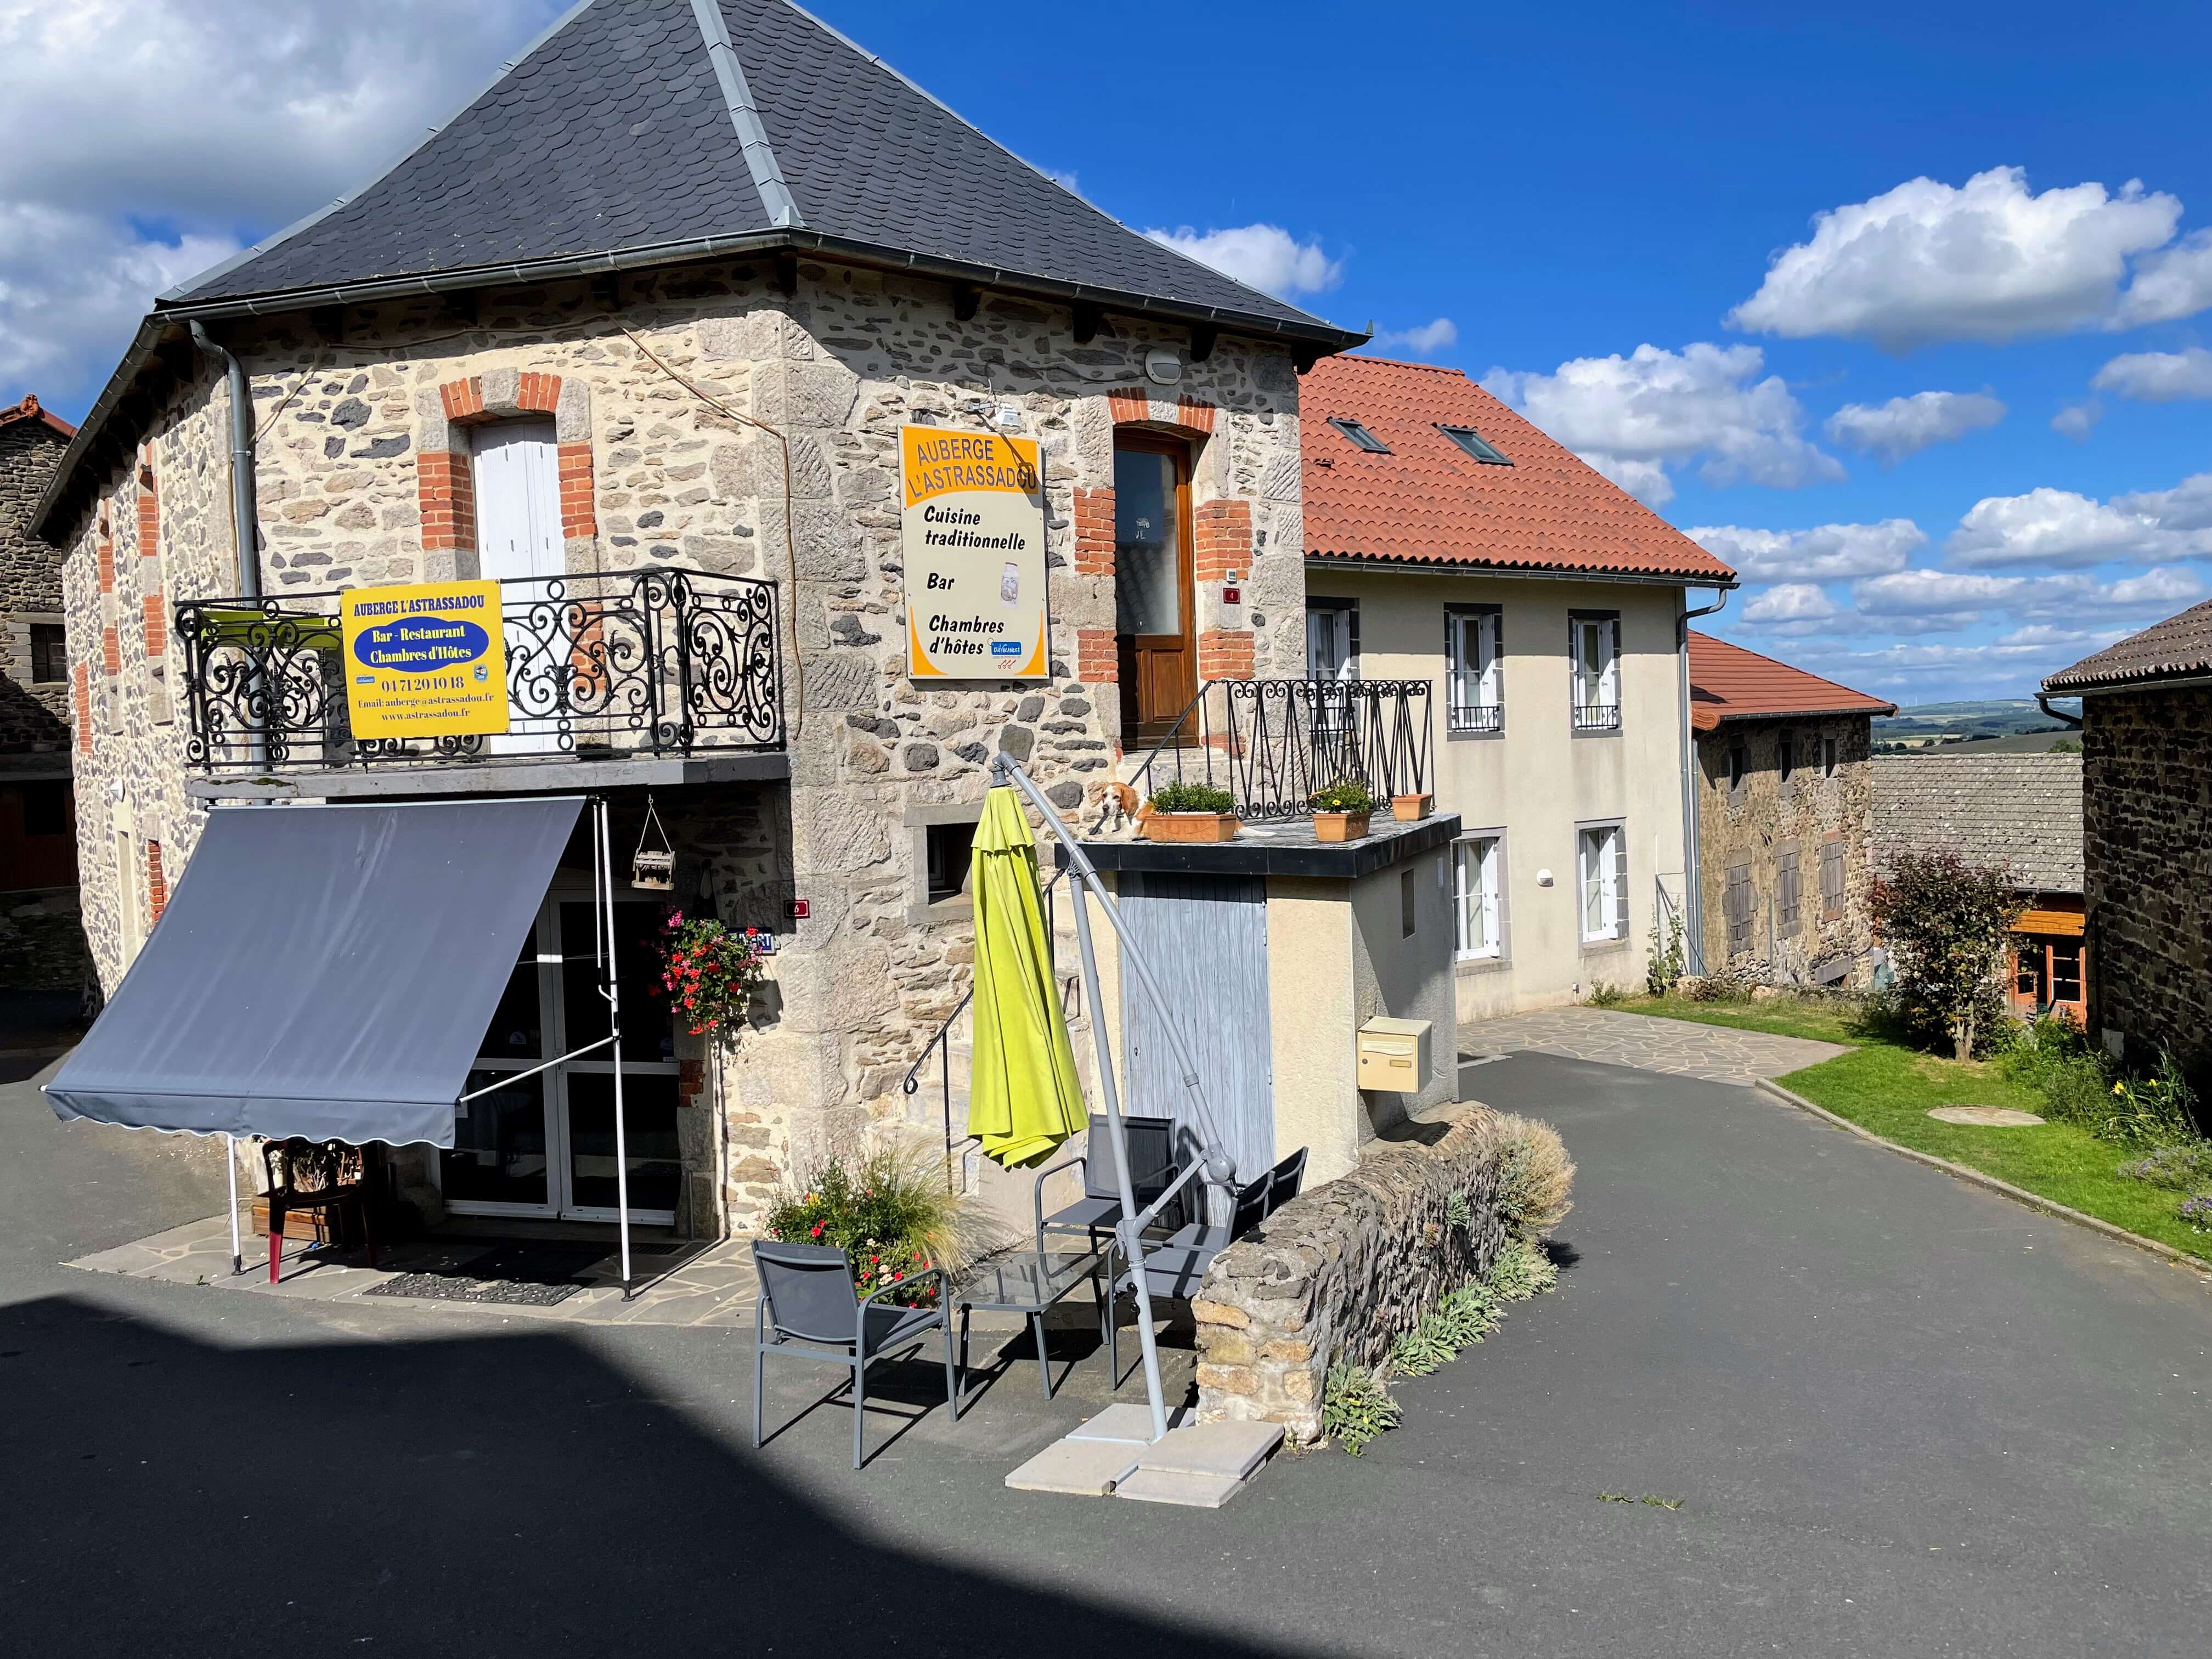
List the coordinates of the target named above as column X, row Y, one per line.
column 1597, row 717
column 1272, row 744
column 599, row 664
column 1477, row 717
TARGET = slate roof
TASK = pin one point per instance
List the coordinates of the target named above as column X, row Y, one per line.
column 1728, row 682
column 615, row 134
column 1428, row 501
column 2021, row 810
column 2176, row 648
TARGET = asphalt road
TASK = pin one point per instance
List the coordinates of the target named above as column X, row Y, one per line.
column 1899, row 1416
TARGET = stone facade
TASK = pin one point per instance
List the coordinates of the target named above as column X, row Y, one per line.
column 363, row 478
column 2147, row 833
column 1751, row 829
column 1337, row 1275
column 33, row 715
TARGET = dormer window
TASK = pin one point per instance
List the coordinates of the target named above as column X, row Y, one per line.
column 1359, row 436
column 1473, row 443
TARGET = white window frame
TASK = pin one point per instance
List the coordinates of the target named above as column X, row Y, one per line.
column 1479, row 896
column 1596, row 700
column 1476, row 704
column 1606, row 845
column 1341, row 618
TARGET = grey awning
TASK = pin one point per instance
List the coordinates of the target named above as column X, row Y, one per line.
column 324, row 971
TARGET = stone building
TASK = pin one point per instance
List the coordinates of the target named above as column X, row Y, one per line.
column 2147, row 839
column 2022, row 812
column 1451, row 543
column 636, row 334
column 38, row 839
column 1786, row 829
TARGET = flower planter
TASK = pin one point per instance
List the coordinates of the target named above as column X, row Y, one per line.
column 1412, row 809
column 1339, row 826
column 1189, row 826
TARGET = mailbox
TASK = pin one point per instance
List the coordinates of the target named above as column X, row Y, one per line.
column 1394, row 1056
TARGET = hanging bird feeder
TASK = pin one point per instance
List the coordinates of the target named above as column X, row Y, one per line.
column 648, row 867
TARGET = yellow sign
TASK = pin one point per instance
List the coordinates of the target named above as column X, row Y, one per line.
column 974, row 523
column 425, row 660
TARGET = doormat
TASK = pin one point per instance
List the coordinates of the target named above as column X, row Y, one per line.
column 514, row 1275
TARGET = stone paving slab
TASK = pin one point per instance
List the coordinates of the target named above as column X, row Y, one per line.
column 1128, row 1423
column 1195, row 1491
column 1080, row 1469
column 1679, row 1048
column 1221, row 1449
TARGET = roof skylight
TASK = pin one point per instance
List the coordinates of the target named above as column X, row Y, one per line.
column 1472, row 441
column 1361, row 438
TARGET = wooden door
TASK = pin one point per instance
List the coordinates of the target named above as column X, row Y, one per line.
column 1154, row 599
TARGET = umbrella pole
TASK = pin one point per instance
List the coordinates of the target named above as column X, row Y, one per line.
column 1125, row 1229
column 230, row 1163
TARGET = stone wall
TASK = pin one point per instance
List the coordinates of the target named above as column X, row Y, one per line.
column 1335, row 1276
column 363, row 472
column 1755, row 823
column 33, row 717
column 2147, row 836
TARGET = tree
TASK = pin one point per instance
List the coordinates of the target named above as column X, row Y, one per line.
column 1945, row 921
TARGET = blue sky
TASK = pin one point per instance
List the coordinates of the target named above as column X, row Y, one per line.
column 1595, row 199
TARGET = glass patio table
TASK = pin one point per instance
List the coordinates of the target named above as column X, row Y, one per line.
column 1029, row 1283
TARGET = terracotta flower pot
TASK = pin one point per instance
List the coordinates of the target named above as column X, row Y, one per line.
column 1190, row 826
column 1412, row 809
column 1339, row 826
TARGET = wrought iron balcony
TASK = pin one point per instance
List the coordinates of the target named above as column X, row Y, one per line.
column 1477, row 717
column 1274, row 744
column 600, row 665
column 1597, row 717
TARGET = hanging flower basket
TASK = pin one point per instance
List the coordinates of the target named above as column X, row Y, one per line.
column 709, row 971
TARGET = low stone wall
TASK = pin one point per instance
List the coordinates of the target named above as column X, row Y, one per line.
column 1336, row 1275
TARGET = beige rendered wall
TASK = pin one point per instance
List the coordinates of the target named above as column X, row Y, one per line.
column 1311, row 994
column 1537, row 781
column 1398, row 977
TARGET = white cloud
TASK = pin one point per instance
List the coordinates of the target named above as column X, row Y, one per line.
column 2075, row 420
column 1928, row 592
column 1831, row 552
column 1265, row 256
column 1906, row 426
column 2060, row 529
column 1964, row 597
column 1791, row 602
column 1635, row 417
column 103, row 204
column 1987, row 260
column 1423, row 337
column 1066, row 180
column 2158, row 377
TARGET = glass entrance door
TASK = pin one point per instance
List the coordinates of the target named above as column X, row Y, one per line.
column 545, row 1144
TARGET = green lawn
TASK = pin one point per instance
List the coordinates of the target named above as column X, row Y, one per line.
column 1888, row 1089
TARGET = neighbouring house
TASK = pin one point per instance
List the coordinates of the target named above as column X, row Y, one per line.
column 1447, row 540
column 1785, row 816
column 636, row 335
column 41, row 946
column 2147, row 839
column 2023, row 812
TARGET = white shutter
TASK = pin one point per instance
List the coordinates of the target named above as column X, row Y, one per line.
column 1609, row 655
column 1617, row 866
column 1492, row 941
column 1485, row 636
column 518, row 491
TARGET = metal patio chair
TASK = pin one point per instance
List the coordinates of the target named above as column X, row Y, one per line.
column 807, row 1299
column 1284, row 1180
column 1152, row 1167
column 1176, row 1268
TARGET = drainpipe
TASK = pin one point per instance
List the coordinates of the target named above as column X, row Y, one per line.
column 2043, row 701
column 245, row 508
column 1693, row 901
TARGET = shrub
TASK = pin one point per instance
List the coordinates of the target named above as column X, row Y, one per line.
column 1534, row 1176
column 2149, row 1111
column 1192, row 797
column 1668, row 960
column 2182, row 1166
column 1421, row 1350
column 1355, row 1407
column 1458, row 1212
column 1604, row 994
column 2078, row 1086
column 1344, row 796
column 1946, row 921
column 1522, row 1270
column 888, row 1210
column 1468, row 1314
column 2196, row 1212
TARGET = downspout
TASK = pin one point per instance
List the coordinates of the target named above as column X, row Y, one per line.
column 245, row 507
column 1693, row 900
column 2043, row 701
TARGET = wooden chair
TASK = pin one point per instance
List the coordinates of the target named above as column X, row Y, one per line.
column 329, row 1177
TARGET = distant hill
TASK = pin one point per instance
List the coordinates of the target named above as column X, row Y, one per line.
column 1998, row 726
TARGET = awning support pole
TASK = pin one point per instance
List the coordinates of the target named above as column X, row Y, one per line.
column 607, row 919
column 230, row 1163
column 508, row 1079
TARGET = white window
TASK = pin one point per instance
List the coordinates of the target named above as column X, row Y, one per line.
column 1471, row 654
column 1475, row 882
column 1602, row 867
column 1596, row 644
column 517, row 488
column 1332, row 640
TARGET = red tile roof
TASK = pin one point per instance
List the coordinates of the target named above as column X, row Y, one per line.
column 1429, row 502
column 1728, row 682
column 28, row 410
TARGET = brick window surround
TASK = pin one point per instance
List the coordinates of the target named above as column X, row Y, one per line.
column 152, row 608
column 444, row 485
column 157, row 885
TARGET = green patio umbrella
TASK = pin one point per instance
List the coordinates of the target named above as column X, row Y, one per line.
column 1024, row 1098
